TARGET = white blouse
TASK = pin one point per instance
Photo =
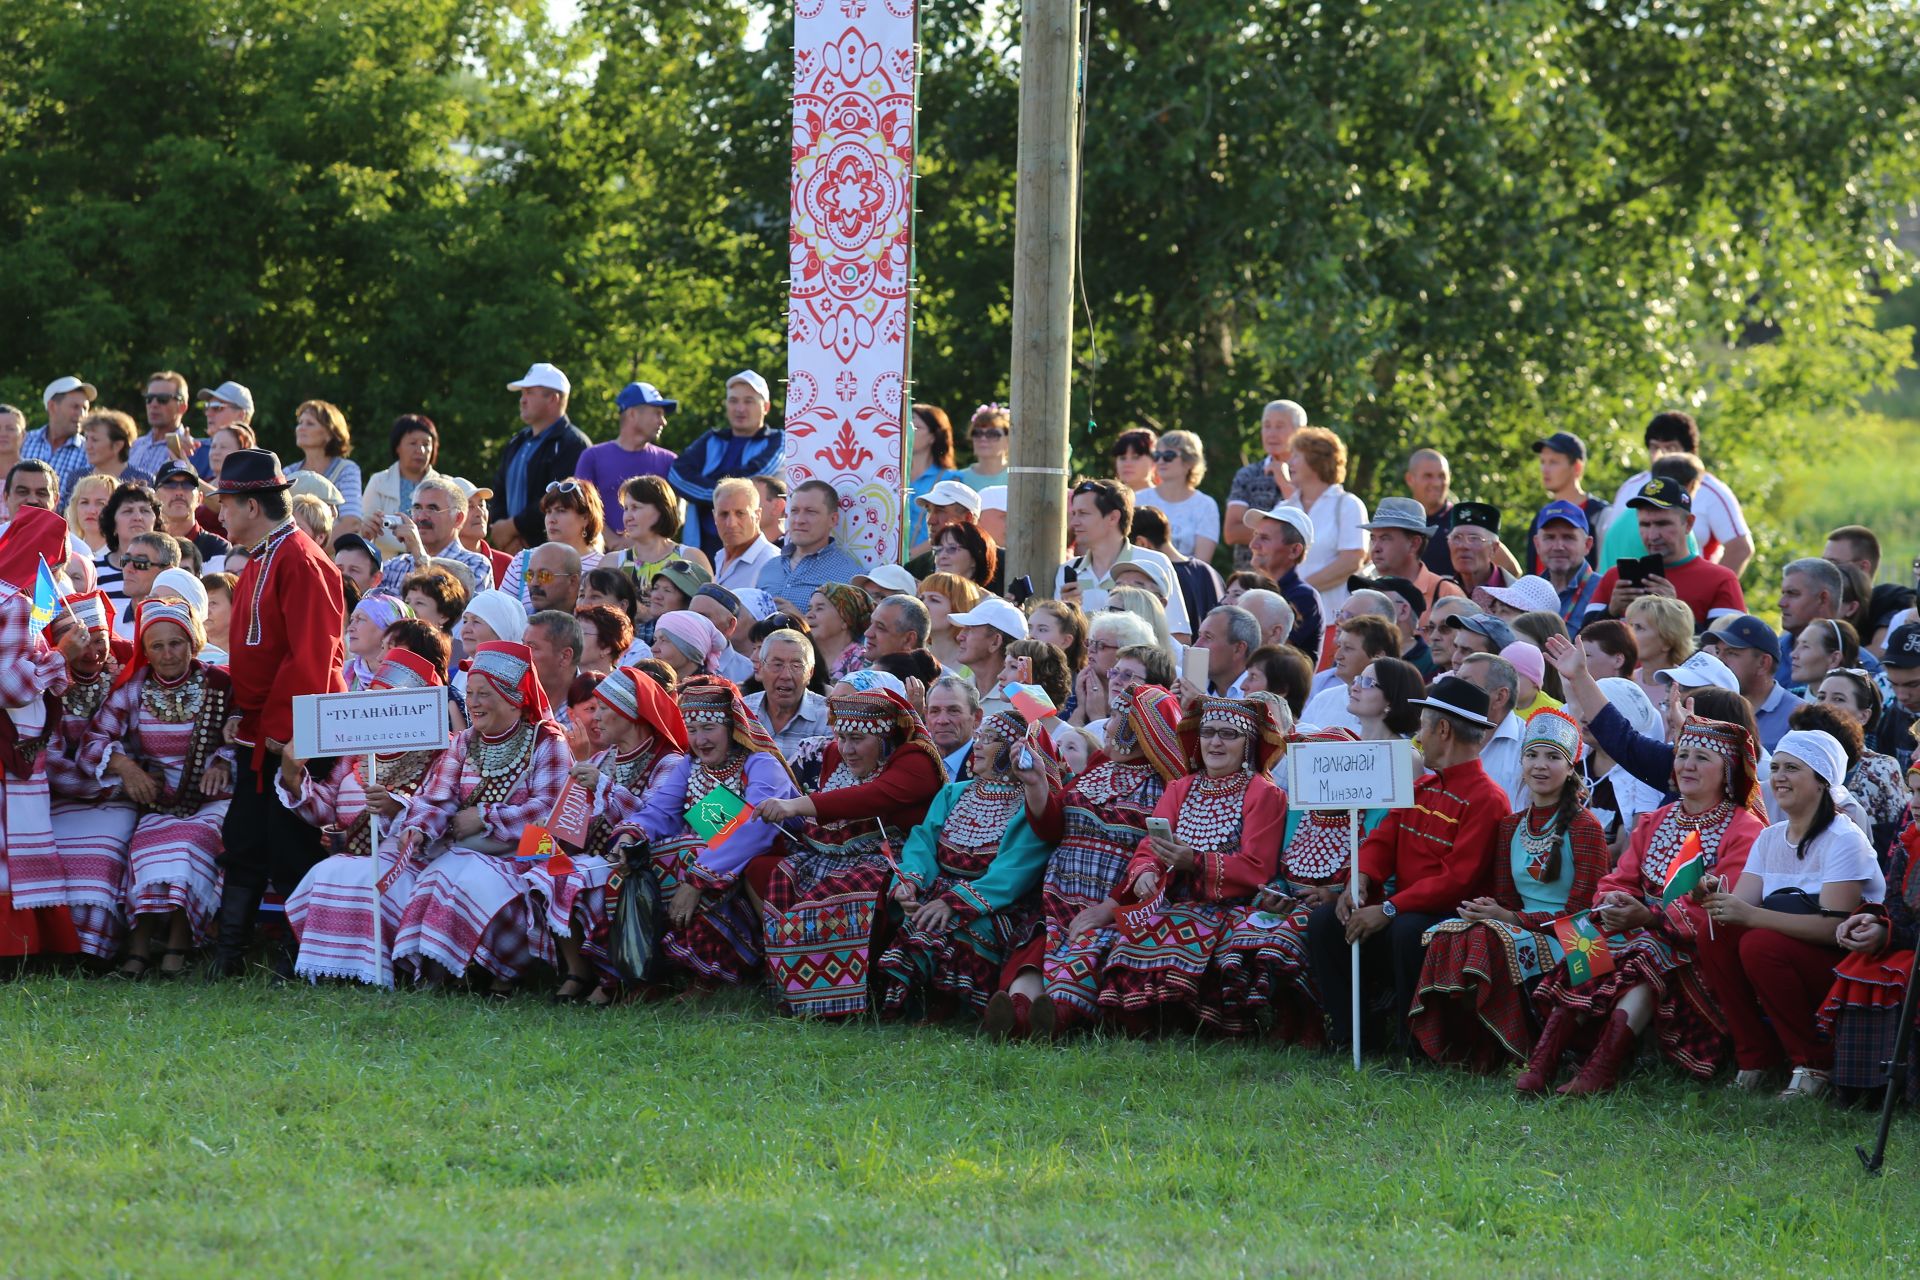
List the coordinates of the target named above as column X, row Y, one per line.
column 1842, row 852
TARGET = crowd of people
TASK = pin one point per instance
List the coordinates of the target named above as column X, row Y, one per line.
column 1644, row 817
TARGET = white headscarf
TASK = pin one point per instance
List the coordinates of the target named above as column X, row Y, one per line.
column 1631, row 701
column 505, row 614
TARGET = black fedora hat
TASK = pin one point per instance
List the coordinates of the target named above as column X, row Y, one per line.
column 1456, row 697
column 251, row 471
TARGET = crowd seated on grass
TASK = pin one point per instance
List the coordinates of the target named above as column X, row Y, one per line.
column 1647, row 826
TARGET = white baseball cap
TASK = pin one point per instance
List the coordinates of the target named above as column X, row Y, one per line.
column 1531, row 594
column 753, row 380
column 1300, row 520
column 543, row 375
column 993, row 498
column 468, row 489
column 1152, row 569
column 946, row 493
column 1699, row 671
column 892, row 577
column 996, row 613
column 229, row 393
column 60, row 387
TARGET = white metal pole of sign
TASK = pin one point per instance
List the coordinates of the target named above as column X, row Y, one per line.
column 1351, row 776
column 1353, row 890
column 382, row 971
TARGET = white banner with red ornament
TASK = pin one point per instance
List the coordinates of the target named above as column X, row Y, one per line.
column 850, row 251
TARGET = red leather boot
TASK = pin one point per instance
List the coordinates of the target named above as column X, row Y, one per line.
column 1608, row 1059
column 1544, row 1065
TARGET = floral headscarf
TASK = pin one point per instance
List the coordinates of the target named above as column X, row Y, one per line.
column 853, row 605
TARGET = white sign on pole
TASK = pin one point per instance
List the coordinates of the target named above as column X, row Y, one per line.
column 354, row 724
column 1350, row 775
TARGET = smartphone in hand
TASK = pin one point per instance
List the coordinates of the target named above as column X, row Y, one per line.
column 1160, row 827
column 1193, row 667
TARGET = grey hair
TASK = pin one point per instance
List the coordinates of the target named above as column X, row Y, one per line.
column 1500, row 675
column 456, row 499
column 1282, row 713
column 1124, row 629
column 1289, row 407
column 1465, row 730
column 1374, row 602
column 561, row 627
column 1824, row 573
column 160, row 541
column 1242, row 627
column 787, row 635
column 1269, row 608
column 960, row 683
column 919, row 621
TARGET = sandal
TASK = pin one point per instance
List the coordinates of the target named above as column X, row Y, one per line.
column 573, row 990
column 167, row 953
column 134, row 975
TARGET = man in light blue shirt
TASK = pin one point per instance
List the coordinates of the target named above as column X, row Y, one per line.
column 812, row 557
column 58, row 443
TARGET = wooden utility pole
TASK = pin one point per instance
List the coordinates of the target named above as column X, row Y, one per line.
column 1046, row 223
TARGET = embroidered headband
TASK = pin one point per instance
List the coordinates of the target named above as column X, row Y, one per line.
column 1556, row 730
column 504, row 669
column 707, row 704
column 1229, row 713
column 404, row 669
column 877, row 712
column 618, row 691
column 1007, row 723
column 90, row 610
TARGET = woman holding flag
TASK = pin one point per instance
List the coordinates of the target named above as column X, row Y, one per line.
column 158, row 741
column 700, row 819
column 33, row 675
column 92, row 830
column 500, row 777
column 963, row 892
column 1053, row 982
column 331, row 912
column 823, row 900
column 1649, row 908
column 1471, row 1006
column 646, row 743
column 1263, row 961
column 1770, row 958
column 1226, row 818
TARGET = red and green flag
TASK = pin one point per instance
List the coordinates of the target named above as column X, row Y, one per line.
column 720, row 813
column 1587, row 953
column 1685, row 871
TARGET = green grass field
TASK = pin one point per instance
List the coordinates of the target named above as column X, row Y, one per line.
column 187, row 1130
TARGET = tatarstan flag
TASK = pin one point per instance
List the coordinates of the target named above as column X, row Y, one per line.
column 1684, row 873
column 1588, row 955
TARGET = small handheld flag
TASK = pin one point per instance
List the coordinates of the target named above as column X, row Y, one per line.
column 46, row 595
column 1684, row 873
column 720, row 813
column 1587, row 953
column 1031, row 701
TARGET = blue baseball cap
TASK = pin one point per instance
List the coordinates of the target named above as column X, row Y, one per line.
column 635, row 394
column 1561, row 509
column 1483, row 624
column 1745, row 632
column 1563, row 442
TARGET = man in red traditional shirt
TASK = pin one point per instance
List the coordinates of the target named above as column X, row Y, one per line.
column 286, row 639
column 1438, row 854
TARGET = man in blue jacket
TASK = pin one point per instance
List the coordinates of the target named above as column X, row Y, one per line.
column 541, row 453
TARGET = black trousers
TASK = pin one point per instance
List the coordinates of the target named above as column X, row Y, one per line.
column 1390, row 958
column 266, row 844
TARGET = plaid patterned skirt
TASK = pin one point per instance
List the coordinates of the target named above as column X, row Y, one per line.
column 819, row 916
column 1171, row 965
column 1861, row 1016
column 722, row 941
column 963, row 964
column 1685, row 1022
column 575, row 906
column 1263, row 971
column 94, row 837
column 331, row 915
column 1471, row 1006
column 471, row 908
column 171, row 867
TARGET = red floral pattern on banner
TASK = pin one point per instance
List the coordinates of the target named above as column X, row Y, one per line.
column 850, row 256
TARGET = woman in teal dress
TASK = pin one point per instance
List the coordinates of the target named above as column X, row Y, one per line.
column 1472, row 1006
column 968, row 884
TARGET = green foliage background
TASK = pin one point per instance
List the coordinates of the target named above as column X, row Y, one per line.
column 1431, row 221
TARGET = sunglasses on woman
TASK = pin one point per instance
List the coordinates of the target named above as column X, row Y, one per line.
column 564, row 486
column 1166, row 455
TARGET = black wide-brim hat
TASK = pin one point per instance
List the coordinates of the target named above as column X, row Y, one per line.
column 251, row 471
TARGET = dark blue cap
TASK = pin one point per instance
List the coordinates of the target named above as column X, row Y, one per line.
column 1561, row 509
column 635, row 394
column 1745, row 632
column 1564, row 442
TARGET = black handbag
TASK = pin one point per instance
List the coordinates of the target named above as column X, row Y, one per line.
column 634, row 931
column 1797, row 902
